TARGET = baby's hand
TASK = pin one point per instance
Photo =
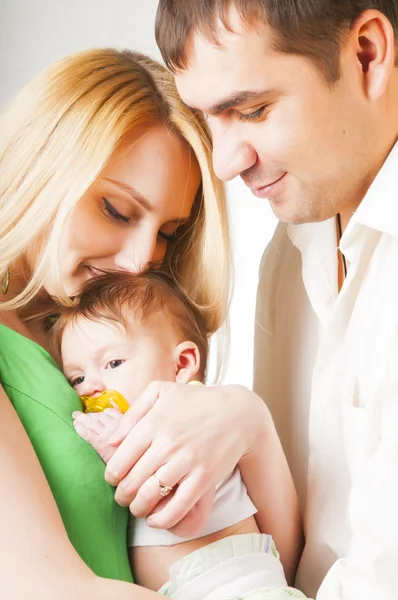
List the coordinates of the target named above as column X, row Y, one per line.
column 97, row 429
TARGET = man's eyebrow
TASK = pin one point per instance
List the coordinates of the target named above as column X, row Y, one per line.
column 135, row 194
column 238, row 98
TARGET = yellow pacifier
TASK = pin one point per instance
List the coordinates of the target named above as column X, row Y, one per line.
column 108, row 399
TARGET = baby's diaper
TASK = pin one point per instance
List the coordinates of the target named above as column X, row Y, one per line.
column 234, row 568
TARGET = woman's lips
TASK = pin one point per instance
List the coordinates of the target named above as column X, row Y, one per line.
column 93, row 271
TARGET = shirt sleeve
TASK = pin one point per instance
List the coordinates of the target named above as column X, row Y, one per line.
column 370, row 569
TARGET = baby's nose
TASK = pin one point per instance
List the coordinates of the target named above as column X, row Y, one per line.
column 91, row 388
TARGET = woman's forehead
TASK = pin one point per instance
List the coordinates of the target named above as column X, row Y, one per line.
column 158, row 165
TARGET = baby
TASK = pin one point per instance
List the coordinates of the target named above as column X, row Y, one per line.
column 126, row 332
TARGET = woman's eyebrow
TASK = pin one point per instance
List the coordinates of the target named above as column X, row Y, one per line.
column 135, row 194
column 138, row 197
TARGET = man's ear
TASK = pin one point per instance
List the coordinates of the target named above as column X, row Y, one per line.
column 375, row 48
column 187, row 362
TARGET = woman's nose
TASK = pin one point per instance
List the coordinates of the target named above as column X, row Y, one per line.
column 141, row 253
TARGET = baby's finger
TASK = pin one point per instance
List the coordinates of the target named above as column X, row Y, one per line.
column 88, row 435
column 89, row 420
column 110, row 415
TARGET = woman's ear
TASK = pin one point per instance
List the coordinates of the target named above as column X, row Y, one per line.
column 187, row 362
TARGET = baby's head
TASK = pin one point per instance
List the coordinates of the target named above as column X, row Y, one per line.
column 128, row 331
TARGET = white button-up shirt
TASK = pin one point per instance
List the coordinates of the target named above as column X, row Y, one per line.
column 326, row 363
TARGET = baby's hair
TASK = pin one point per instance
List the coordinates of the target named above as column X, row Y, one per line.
column 110, row 298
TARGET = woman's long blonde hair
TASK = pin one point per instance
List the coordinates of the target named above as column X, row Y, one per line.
column 55, row 140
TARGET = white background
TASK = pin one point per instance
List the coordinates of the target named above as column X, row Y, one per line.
column 35, row 33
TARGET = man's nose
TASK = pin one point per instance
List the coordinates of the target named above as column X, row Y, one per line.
column 231, row 155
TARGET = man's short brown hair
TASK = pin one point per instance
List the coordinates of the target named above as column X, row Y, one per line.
column 310, row 28
column 112, row 297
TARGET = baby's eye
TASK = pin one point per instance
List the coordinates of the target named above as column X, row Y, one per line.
column 78, row 381
column 114, row 364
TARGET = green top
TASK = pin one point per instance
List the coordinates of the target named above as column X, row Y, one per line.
column 44, row 401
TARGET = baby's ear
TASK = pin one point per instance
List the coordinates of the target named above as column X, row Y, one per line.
column 187, row 362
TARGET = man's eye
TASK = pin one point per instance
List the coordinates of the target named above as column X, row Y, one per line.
column 114, row 364
column 78, row 381
column 113, row 213
column 253, row 115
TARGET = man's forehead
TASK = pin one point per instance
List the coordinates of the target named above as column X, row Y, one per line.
column 241, row 63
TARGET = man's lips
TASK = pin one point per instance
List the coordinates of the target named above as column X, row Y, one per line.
column 264, row 190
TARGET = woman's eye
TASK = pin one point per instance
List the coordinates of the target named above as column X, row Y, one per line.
column 253, row 115
column 113, row 213
column 78, row 381
column 167, row 237
column 114, row 364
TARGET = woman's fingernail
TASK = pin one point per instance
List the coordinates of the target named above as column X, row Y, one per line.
column 150, row 522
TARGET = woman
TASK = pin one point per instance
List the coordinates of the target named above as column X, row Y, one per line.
column 102, row 168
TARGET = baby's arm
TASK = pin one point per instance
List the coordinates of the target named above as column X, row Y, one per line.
column 270, row 485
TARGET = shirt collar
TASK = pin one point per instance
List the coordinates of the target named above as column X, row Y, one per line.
column 317, row 244
column 379, row 208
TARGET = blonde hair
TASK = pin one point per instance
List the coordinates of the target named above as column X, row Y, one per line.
column 56, row 139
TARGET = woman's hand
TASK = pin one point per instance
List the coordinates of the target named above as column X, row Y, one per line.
column 185, row 437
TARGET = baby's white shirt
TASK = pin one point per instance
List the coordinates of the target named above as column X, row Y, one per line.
column 231, row 505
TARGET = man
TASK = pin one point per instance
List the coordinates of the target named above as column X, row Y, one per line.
column 302, row 102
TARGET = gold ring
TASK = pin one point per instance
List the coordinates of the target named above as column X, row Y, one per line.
column 163, row 488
